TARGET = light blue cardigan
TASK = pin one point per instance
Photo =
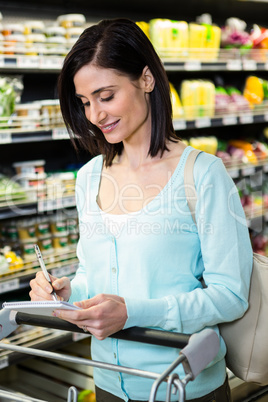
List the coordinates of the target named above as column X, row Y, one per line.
column 155, row 263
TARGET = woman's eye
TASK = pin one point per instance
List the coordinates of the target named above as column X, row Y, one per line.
column 85, row 104
column 107, row 99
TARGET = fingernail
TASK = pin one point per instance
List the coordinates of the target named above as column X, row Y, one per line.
column 48, row 289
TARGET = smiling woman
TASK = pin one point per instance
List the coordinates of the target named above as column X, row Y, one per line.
column 141, row 256
column 111, row 46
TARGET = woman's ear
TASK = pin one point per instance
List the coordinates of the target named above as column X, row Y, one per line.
column 147, row 79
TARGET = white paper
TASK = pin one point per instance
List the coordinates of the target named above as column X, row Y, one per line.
column 45, row 308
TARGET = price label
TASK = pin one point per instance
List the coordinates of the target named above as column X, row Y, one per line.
column 68, row 201
column 248, row 171
column 203, row 122
column 3, row 362
column 192, row 65
column 60, row 133
column 234, row 173
column 229, row 120
column 246, row 119
column 5, row 138
column 63, row 271
column 9, row 285
column 179, row 124
column 249, row 65
column 2, row 61
column 266, row 66
column 27, row 62
column 51, row 62
column 265, row 116
column 234, row 65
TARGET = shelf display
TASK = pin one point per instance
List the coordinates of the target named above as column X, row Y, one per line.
column 198, row 104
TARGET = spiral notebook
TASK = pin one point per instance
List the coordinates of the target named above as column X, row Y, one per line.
column 45, row 308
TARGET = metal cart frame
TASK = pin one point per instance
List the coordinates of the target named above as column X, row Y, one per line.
column 197, row 351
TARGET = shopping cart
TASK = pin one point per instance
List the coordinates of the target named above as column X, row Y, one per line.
column 196, row 352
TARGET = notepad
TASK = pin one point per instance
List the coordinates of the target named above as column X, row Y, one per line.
column 45, row 308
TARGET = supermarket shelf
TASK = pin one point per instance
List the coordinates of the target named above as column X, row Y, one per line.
column 227, row 60
column 217, row 65
column 24, row 63
column 39, row 134
column 60, row 133
column 62, row 264
column 227, row 120
column 12, row 209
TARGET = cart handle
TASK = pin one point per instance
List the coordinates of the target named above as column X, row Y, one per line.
column 137, row 334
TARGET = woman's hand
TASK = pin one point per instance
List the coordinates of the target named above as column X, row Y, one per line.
column 102, row 315
column 41, row 288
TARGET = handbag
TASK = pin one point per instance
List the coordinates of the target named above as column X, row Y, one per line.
column 246, row 338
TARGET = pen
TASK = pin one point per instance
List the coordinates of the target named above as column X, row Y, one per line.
column 42, row 265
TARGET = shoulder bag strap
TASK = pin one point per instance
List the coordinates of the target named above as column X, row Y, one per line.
column 189, row 185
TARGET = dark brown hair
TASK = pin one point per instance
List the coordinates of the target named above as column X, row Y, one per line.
column 121, row 45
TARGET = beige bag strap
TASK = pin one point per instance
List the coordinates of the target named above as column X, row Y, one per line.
column 189, row 185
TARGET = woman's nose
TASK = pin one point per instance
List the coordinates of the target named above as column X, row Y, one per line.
column 95, row 114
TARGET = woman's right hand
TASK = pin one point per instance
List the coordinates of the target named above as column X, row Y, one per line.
column 41, row 288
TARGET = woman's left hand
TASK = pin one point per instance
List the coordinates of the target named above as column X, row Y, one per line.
column 103, row 315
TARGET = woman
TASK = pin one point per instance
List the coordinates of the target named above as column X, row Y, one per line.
column 141, row 256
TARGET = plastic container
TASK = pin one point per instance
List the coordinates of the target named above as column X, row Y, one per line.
column 28, row 115
column 26, row 230
column 55, row 31
column 14, row 44
column 71, row 20
column 42, row 228
column 58, row 227
column 197, row 41
column 45, row 244
column 170, row 38
column 30, row 167
column 35, row 44
column 72, row 34
column 34, row 27
column 27, row 249
column 60, row 242
column 56, row 46
column 50, row 112
column 12, row 29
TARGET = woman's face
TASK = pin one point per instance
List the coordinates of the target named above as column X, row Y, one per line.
column 117, row 106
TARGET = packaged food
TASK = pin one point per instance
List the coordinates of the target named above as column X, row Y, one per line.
column 50, row 112
column 42, row 228
column 12, row 29
column 27, row 249
column 72, row 34
column 55, row 31
column 213, row 41
column 58, row 227
column 197, row 41
column 73, row 239
column 35, row 44
column 34, row 27
column 26, row 230
column 14, row 44
column 28, row 115
column 206, row 144
column 60, row 242
column 35, row 167
column 198, row 98
column 176, row 103
column 145, row 27
column 56, row 46
column 45, row 244
column 170, row 38
column 71, row 20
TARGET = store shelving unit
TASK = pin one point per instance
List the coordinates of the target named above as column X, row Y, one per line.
column 231, row 63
